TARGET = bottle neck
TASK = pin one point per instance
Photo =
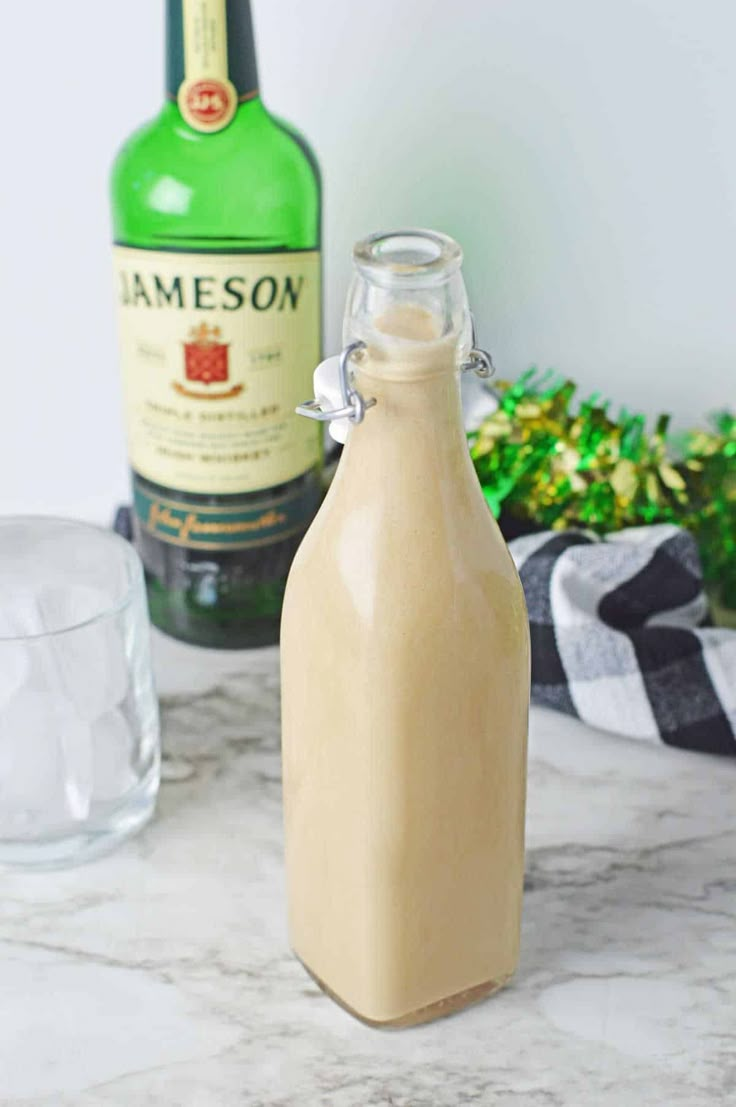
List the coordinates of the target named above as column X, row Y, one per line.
column 414, row 423
column 211, row 60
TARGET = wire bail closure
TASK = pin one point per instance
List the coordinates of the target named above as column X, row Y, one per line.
column 479, row 361
column 354, row 405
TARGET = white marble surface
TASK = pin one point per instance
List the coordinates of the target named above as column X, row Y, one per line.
column 161, row 975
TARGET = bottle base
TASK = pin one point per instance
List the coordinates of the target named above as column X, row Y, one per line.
column 220, row 598
column 438, row 1010
column 173, row 614
column 251, row 637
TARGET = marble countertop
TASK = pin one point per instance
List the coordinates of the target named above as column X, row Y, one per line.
column 160, row 975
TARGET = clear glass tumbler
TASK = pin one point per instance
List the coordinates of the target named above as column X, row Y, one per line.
column 79, row 731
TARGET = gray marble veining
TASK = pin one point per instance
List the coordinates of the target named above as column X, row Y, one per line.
column 161, row 975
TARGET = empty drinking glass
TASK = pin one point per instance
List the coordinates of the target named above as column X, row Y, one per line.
column 79, row 733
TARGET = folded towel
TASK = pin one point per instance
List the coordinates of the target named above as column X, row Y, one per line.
column 620, row 635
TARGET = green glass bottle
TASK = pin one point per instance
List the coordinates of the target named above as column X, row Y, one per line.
column 216, row 218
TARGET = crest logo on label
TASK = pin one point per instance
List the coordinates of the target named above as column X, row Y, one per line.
column 206, row 361
column 207, row 104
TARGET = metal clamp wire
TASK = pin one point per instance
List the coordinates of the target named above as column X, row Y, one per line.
column 479, row 361
column 354, row 404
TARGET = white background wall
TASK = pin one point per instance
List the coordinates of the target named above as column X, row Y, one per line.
column 583, row 152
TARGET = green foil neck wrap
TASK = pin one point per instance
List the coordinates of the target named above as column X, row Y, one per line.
column 241, row 49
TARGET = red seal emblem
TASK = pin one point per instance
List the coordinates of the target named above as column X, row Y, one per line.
column 209, row 102
column 205, row 359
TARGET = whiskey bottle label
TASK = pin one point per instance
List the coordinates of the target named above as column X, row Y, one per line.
column 207, row 97
column 217, row 351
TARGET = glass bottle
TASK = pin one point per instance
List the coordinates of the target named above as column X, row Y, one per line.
column 216, row 217
column 405, row 671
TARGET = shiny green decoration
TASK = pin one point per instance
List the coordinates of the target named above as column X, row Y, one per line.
column 543, row 459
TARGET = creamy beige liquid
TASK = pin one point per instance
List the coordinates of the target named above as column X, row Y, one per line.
column 405, row 672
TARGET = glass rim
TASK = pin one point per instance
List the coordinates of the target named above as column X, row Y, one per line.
column 125, row 548
column 409, row 255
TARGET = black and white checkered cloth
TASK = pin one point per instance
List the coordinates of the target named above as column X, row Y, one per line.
column 620, row 635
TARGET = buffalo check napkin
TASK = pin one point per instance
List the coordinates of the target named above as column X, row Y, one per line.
column 621, row 637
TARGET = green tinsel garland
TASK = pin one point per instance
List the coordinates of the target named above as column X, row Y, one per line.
column 539, row 459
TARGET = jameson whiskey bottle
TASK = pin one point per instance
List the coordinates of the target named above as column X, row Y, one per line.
column 216, row 216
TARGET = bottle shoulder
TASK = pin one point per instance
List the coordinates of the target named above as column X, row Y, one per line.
column 166, row 142
column 296, row 137
column 387, row 574
column 257, row 179
column 398, row 533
